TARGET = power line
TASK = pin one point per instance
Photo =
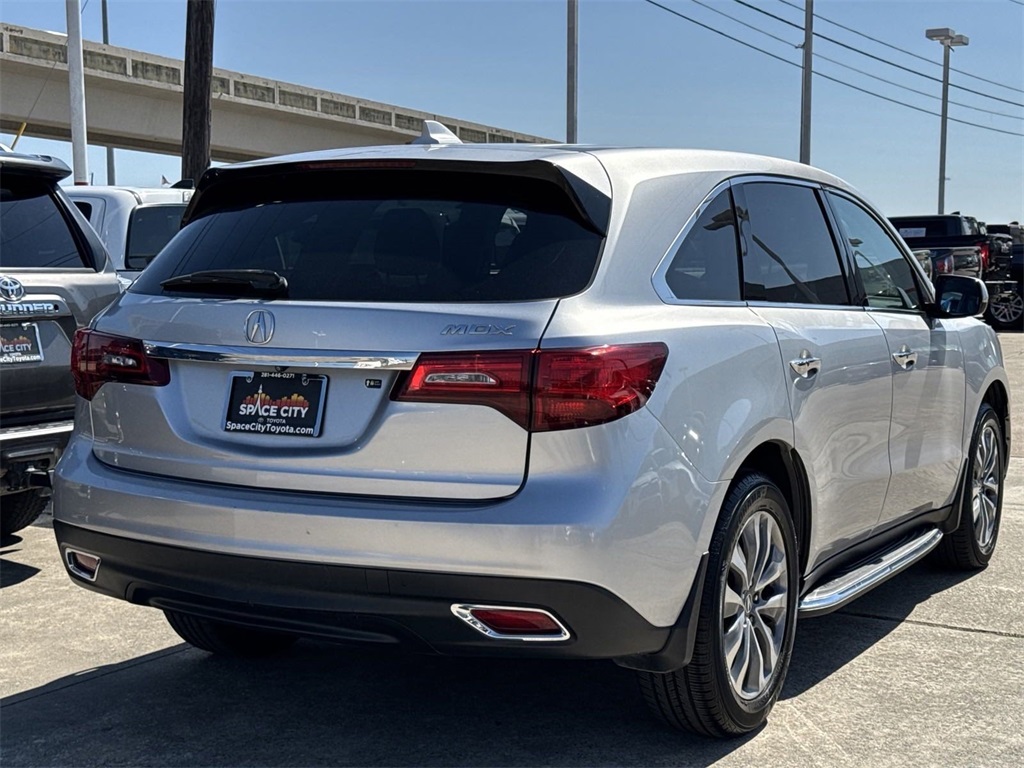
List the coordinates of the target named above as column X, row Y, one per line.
column 824, row 76
column 856, row 50
column 847, row 66
column 904, row 50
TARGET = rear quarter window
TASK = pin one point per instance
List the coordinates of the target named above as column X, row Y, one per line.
column 393, row 236
column 34, row 232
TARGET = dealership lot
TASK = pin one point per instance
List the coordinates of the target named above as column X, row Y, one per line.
column 926, row 670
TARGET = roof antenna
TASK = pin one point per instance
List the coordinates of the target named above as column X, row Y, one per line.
column 435, row 133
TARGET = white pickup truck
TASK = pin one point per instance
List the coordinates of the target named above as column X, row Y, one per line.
column 134, row 223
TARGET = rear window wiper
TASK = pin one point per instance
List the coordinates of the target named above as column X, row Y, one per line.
column 263, row 283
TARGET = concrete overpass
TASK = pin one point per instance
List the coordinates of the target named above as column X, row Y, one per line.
column 134, row 101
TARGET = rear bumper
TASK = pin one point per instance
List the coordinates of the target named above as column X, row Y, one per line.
column 614, row 524
column 371, row 605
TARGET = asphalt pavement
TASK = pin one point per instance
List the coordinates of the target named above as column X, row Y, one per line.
column 927, row 670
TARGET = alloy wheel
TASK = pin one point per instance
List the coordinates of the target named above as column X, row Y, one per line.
column 754, row 606
column 985, row 488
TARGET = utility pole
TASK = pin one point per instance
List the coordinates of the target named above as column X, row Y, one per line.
column 805, row 90
column 111, row 179
column 949, row 39
column 76, row 87
column 572, row 59
column 196, row 109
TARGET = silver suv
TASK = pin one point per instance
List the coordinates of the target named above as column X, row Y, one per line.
column 642, row 405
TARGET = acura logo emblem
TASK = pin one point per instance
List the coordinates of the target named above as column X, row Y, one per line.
column 11, row 289
column 259, row 326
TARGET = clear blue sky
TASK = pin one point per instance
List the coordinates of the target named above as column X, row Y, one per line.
column 646, row 78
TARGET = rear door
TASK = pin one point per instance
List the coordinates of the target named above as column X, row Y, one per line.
column 316, row 388
column 834, row 357
column 929, row 383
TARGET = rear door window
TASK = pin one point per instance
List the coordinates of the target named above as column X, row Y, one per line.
column 394, row 236
column 790, row 256
column 34, row 232
column 706, row 266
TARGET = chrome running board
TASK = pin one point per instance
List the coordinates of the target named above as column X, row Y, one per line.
column 849, row 586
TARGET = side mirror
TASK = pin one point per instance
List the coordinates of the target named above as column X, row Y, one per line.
column 959, row 296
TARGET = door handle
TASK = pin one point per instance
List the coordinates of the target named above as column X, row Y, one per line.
column 905, row 358
column 806, row 366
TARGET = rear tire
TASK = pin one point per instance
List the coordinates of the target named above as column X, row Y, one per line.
column 746, row 623
column 970, row 546
column 226, row 639
column 20, row 510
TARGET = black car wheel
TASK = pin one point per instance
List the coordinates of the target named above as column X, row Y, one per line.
column 746, row 623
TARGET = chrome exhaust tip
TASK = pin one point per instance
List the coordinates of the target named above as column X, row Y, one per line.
column 82, row 564
column 506, row 622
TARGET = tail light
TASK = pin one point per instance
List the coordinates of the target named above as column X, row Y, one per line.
column 542, row 390
column 983, row 253
column 944, row 265
column 97, row 358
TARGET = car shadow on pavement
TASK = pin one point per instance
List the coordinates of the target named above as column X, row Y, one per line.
column 326, row 704
column 323, row 704
column 12, row 572
column 828, row 643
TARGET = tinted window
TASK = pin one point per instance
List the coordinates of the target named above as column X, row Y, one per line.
column 85, row 208
column 706, row 266
column 790, row 255
column 150, row 230
column 392, row 236
column 33, row 231
column 884, row 271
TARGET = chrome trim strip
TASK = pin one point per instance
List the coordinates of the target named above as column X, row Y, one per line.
column 462, row 611
column 19, row 433
column 835, row 594
column 311, row 358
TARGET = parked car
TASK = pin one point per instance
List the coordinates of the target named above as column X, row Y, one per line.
column 963, row 254
column 133, row 222
column 953, row 242
column 329, row 408
column 54, row 276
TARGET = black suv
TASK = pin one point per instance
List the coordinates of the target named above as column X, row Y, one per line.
column 54, row 277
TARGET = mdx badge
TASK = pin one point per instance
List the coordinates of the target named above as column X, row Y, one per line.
column 259, row 326
column 11, row 289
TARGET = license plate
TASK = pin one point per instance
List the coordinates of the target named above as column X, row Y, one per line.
column 20, row 344
column 272, row 403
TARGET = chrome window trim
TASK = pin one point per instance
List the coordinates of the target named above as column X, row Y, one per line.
column 760, row 303
column 312, row 358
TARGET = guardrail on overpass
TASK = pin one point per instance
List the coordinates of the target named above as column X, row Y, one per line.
column 133, row 101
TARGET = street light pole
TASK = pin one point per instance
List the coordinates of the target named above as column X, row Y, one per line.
column 949, row 39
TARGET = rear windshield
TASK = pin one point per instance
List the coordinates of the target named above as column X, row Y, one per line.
column 151, row 228
column 392, row 236
column 33, row 231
